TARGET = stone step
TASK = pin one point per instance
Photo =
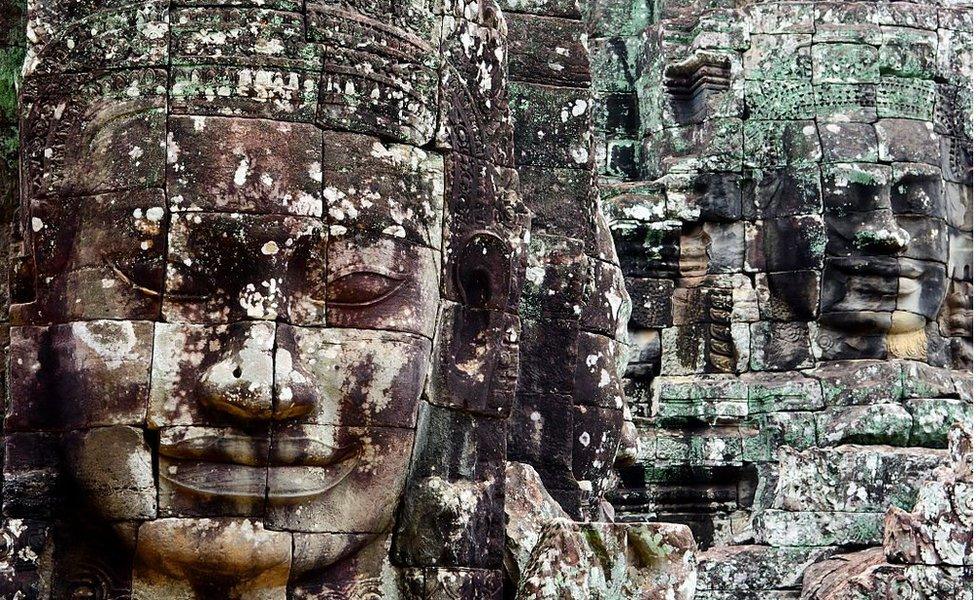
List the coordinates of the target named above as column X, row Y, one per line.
column 752, row 568
column 684, row 495
column 809, row 528
column 852, row 478
column 757, row 440
column 731, row 398
column 913, row 422
column 716, row 446
column 899, row 404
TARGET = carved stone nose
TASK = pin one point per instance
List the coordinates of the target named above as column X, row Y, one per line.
column 888, row 239
column 239, row 387
column 295, row 392
column 246, row 382
column 239, row 382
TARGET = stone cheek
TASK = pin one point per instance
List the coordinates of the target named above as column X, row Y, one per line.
column 79, row 375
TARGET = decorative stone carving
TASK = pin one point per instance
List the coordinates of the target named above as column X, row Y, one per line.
column 280, row 315
column 789, row 187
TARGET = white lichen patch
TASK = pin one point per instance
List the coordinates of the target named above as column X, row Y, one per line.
column 263, row 300
column 114, row 342
column 242, row 171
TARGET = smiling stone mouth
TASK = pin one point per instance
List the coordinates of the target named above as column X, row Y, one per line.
column 285, row 471
column 867, row 267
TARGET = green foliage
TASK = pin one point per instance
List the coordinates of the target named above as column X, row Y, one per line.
column 11, row 61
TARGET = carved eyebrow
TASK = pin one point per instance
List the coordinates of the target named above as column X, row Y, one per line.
column 99, row 118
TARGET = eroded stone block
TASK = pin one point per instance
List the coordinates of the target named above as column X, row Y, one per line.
column 114, row 463
column 81, row 374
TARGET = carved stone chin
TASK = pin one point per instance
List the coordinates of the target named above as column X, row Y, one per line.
column 191, row 550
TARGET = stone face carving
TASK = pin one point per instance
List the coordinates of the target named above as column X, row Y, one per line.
column 318, row 300
column 789, row 188
column 229, row 311
column 278, row 318
column 231, row 295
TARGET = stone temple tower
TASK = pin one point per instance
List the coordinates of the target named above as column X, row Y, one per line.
column 790, row 192
column 485, row 299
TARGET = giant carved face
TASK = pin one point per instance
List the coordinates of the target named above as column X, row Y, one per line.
column 232, row 276
column 838, row 136
column 802, row 221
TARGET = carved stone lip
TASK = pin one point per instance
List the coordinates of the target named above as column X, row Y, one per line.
column 908, row 286
column 910, row 270
column 868, row 266
column 284, row 469
column 909, row 278
column 280, row 450
column 858, row 321
column 279, row 485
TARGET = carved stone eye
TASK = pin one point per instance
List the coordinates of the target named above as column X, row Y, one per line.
column 363, row 288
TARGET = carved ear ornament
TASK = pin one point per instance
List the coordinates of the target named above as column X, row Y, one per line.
column 482, row 270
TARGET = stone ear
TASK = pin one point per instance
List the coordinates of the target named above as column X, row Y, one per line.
column 482, row 271
column 477, row 368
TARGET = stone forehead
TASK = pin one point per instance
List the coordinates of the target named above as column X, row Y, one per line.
column 254, row 89
column 896, row 51
column 790, row 86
